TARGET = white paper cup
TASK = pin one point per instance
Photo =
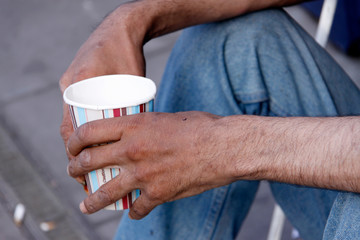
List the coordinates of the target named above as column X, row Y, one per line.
column 107, row 97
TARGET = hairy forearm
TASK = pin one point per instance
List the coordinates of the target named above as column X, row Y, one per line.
column 152, row 18
column 171, row 15
column 318, row 152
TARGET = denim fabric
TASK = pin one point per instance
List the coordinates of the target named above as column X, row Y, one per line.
column 261, row 63
column 344, row 219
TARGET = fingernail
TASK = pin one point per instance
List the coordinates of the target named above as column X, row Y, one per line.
column 83, row 208
column 67, row 170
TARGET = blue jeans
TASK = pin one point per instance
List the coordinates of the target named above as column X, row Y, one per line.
column 262, row 64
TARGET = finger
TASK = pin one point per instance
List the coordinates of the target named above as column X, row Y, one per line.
column 95, row 132
column 94, row 158
column 66, row 127
column 107, row 194
column 142, row 207
column 79, row 179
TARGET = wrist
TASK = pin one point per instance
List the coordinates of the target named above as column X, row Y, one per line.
column 240, row 136
column 143, row 20
column 131, row 21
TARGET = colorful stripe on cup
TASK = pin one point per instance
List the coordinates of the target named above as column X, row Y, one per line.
column 79, row 116
column 97, row 178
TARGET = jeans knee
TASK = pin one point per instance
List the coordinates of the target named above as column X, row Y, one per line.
column 260, row 58
column 250, row 27
column 256, row 34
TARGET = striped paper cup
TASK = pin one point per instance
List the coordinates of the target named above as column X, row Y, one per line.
column 107, row 97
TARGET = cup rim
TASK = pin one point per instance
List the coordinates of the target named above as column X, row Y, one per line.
column 114, row 77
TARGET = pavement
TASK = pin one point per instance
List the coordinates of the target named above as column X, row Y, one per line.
column 38, row 40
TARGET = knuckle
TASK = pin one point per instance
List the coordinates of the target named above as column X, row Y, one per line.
column 65, row 129
column 141, row 212
column 85, row 159
column 139, row 175
column 84, row 131
column 135, row 151
column 154, row 194
column 81, row 132
column 71, row 169
column 90, row 206
column 134, row 121
column 140, row 119
column 143, row 173
column 105, row 196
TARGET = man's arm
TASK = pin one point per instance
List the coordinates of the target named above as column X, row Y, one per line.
column 172, row 156
column 116, row 46
column 160, row 17
column 317, row 152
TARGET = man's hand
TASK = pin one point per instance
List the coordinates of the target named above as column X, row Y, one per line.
column 171, row 156
column 166, row 156
column 113, row 48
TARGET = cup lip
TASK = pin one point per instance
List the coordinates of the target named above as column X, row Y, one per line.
column 139, row 101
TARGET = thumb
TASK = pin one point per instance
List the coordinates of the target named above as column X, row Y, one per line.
column 66, row 129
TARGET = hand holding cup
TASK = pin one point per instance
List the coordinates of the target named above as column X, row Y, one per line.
column 108, row 97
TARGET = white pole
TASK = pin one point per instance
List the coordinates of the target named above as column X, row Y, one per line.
column 325, row 22
column 277, row 224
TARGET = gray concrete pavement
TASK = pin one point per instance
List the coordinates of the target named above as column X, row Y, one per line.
column 8, row 230
column 21, row 183
column 38, row 41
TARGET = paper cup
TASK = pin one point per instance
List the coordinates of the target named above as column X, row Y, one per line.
column 107, row 97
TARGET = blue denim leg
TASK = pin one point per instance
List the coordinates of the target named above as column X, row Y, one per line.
column 196, row 217
column 261, row 63
column 344, row 219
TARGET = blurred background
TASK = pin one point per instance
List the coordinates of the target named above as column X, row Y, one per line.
column 38, row 40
